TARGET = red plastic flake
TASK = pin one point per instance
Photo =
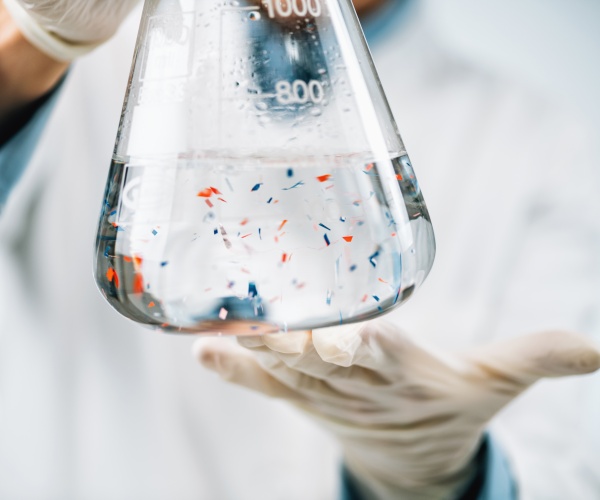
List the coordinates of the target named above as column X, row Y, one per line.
column 215, row 190
column 348, row 238
column 284, row 257
column 205, row 193
column 112, row 276
column 399, row 177
column 138, row 284
column 323, row 178
column 369, row 167
column 209, row 203
column 244, row 222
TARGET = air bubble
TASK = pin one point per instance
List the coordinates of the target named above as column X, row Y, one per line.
column 254, row 16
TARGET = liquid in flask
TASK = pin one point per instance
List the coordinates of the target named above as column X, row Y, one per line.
column 278, row 196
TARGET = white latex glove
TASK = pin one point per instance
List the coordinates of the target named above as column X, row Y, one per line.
column 66, row 29
column 409, row 419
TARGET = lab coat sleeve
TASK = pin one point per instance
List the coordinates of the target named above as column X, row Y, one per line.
column 493, row 481
column 16, row 153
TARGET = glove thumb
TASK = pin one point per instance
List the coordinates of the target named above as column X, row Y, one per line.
column 529, row 358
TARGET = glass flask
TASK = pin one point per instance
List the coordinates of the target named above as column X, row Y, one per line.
column 258, row 183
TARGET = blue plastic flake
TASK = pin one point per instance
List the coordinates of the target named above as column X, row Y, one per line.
column 114, row 212
column 353, row 267
column 329, row 295
column 260, row 233
column 298, row 184
column 290, row 172
column 372, row 259
column 215, row 231
column 326, row 239
column 376, row 298
column 252, row 291
column 324, row 226
column 164, row 264
column 270, row 200
column 120, row 229
column 154, row 232
column 257, row 186
column 342, row 219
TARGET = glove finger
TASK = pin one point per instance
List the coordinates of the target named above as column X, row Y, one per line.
column 382, row 347
column 521, row 361
column 297, row 351
column 238, row 366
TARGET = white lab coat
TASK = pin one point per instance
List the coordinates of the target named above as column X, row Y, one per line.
column 95, row 407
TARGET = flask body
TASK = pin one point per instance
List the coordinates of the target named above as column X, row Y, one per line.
column 258, row 182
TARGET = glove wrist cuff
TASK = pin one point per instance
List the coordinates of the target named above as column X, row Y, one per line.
column 51, row 44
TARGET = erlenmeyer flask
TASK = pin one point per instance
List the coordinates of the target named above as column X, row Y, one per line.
column 258, row 181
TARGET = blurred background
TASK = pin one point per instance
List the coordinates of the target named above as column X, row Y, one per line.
column 552, row 46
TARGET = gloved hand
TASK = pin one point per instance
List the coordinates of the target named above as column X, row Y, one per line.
column 409, row 419
column 66, row 29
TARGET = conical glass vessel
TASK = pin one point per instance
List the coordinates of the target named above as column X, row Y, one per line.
column 258, row 182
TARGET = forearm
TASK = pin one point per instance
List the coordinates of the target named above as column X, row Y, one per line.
column 26, row 73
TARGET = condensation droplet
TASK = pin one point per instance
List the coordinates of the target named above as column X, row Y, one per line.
column 316, row 111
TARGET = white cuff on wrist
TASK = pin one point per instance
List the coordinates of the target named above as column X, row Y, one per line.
column 49, row 43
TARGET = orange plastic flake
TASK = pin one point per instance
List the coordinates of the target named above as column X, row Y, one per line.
column 165, row 325
column 127, row 259
column 369, row 167
column 348, row 238
column 382, row 280
column 151, row 305
column 138, row 284
column 137, row 261
column 282, row 224
column 323, row 178
column 399, row 177
column 244, row 222
column 112, row 276
column 284, row 257
column 205, row 193
column 221, row 199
